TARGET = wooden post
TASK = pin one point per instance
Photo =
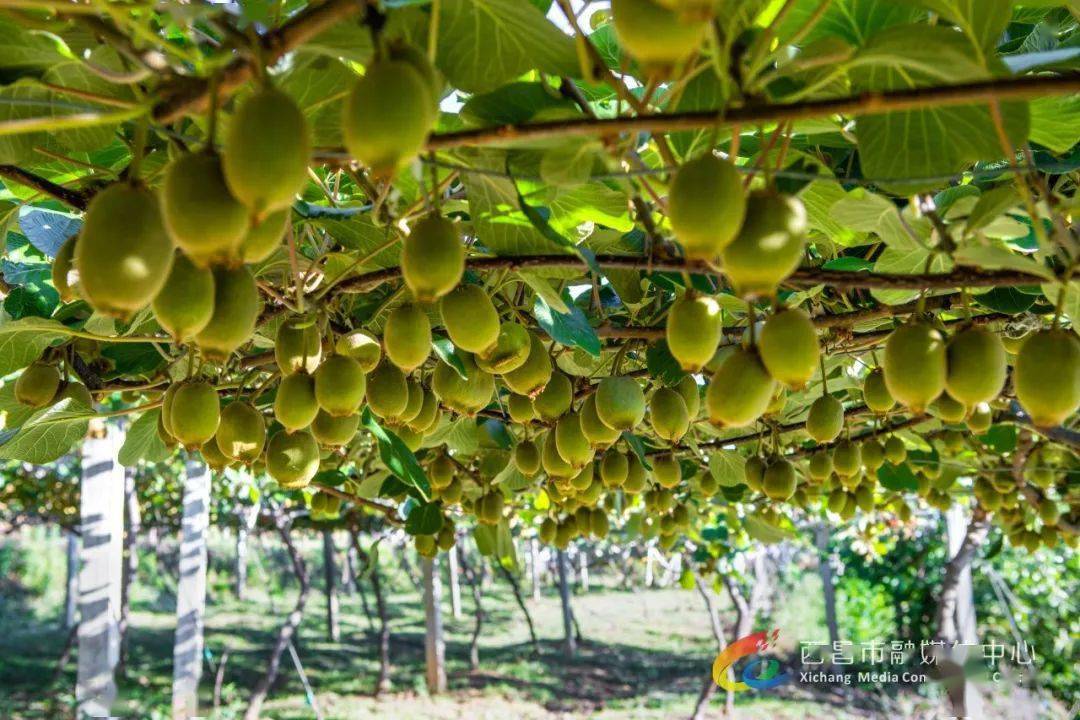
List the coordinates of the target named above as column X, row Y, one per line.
column 649, row 555
column 191, row 591
column 956, row 609
column 434, row 645
column 570, row 642
column 71, row 594
column 333, row 629
column 131, row 562
column 583, row 570
column 455, row 584
column 101, row 506
column 821, row 537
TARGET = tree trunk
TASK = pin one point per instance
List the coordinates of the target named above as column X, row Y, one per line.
column 521, row 604
column 474, row 581
column 455, row 584
column 131, row 563
column 101, row 508
column 956, row 610
column 333, row 630
column 71, row 593
column 534, row 553
column 434, row 644
column 288, row 630
column 649, row 571
column 828, row 588
column 191, row 591
column 583, row 571
column 569, row 641
column 708, row 689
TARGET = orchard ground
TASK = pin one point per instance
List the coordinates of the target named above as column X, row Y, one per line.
column 644, row 654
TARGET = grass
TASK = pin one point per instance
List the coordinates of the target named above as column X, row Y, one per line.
column 644, row 655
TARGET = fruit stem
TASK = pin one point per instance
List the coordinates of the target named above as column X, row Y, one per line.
column 433, row 32
column 824, row 379
column 751, row 317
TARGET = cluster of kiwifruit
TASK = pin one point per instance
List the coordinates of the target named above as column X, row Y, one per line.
column 661, row 34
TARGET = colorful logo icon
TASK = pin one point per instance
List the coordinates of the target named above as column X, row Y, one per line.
column 759, row 674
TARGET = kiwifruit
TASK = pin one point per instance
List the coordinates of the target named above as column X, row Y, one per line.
column 951, row 439
column 895, row 450
column 1047, row 376
column 340, row 385
column 693, row 331
column 37, row 385
column 186, row 302
column 740, row 391
column 267, row 151
column 706, row 206
column 334, row 430
column 552, row 461
column 668, row 415
column 847, row 458
column 779, row 480
column 636, row 478
column 873, row 454
column 571, row 443
column 123, row 253
column 236, row 310
column 510, row 351
column 212, row 455
column 976, row 366
column 599, row 524
column 564, row 534
column 980, row 417
column 527, row 458
column 470, row 318
column 547, row 531
column 432, row 258
column 1013, row 343
column 264, row 236
column 241, row 433
column 531, row 377
column 864, row 498
column 387, row 391
column 407, row 337
column 707, row 485
column 948, row 409
column 194, row 413
column 1049, row 512
column 163, row 434
column 64, row 277
column 754, row 472
column 915, row 365
column 489, row 507
column 788, row 346
column 820, row 466
column 770, row 245
column 202, row 216
column 294, row 405
column 825, row 419
column 441, row 471
column 361, row 347
column 583, row 475
column 298, row 345
column 76, row 391
column 666, row 471
column 446, row 537
column 166, row 406
column 292, row 459
column 876, row 393
column 620, row 402
column 691, row 395
column 466, row 395
column 555, row 399
column 388, row 115
column 598, row 434
column 614, row 469
column 415, row 402
column 520, row 409
column 837, row 500
column 425, row 420
column 654, row 35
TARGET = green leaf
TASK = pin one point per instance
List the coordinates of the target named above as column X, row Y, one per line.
column 997, row 257
column 424, row 519
column 571, row 329
column 764, row 531
column 906, row 262
column 982, row 21
column 1002, row 438
column 1055, row 122
column 513, row 103
column 1007, row 300
column 897, row 477
column 570, row 162
column 142, row 442
column 23, row 341
column 12, row 412
column 48, row 230
column 48, row 434
column 638, row 448
column 398, row 458
column 447, row 352
column 662, row 365
column 727, row 468
column 485, row 43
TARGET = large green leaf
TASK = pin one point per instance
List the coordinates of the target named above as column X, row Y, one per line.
column 424, row 519
column 571, row 328
column 982, row 21
column 484, row 43
column 23, row 341
column 47, row 434
column 142, row 442
column 398, row 458
column 1055, row 122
